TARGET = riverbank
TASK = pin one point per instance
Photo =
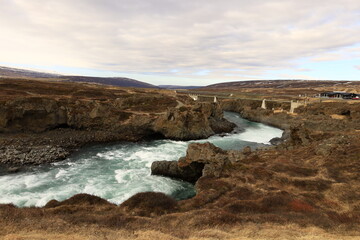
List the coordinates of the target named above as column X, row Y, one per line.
column 122, row 169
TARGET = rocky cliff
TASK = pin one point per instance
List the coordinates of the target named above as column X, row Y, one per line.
column 251, row 109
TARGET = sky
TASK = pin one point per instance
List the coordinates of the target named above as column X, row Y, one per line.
column 187, row 42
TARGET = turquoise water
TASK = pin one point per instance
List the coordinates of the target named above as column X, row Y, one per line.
column 117, row 171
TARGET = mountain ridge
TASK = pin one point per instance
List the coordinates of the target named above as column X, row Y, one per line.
column 113, row 81
column 280, row 83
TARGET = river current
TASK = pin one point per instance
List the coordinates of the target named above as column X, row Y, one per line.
column 117, row 171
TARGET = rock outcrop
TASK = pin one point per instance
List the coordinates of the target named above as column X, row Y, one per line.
column 200, row 120
column 213, row 158
column 38, row 114
column 190, row 173
column 202, row 159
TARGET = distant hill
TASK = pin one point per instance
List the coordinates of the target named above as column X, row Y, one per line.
column 178, row 87
column 280, row 84
column 22, row 73
column 113, row 81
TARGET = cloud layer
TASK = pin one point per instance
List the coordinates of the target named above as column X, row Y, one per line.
column 216, row 39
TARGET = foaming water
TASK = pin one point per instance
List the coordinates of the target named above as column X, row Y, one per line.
column 118, row 171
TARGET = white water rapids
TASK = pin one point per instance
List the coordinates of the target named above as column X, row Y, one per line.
column 117, row 171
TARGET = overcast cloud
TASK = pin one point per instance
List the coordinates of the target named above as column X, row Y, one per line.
column 227, row 39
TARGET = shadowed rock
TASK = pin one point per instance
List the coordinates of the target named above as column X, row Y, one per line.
column 190, row 173
column 276, row 141
column 202, row 159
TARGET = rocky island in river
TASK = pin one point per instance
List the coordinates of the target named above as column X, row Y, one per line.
column 306, row 185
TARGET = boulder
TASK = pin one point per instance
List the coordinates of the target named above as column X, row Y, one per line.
column 13, row 170
column 190, row 173
column 276, row 141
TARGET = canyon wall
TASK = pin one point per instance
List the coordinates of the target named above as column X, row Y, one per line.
column 30, row 124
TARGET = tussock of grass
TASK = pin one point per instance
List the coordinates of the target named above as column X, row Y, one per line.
column 84, row 199
column 150, row 204
column 243, row 232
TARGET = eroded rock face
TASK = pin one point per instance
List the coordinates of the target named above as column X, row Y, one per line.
column 42, row 114
column 202, row 159
column 212, row 157
column 194, row 122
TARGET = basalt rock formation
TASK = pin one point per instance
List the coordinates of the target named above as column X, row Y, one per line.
column 40, row 114
column 200, row 120
column 201, row 160
column 190, row 173
column 251, row 109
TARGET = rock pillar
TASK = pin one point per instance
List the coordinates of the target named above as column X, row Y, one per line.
column 263, row 105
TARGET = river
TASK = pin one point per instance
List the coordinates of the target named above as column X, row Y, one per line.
column 117, row 171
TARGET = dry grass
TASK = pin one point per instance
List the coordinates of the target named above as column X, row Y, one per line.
column 134, row 98
column 244, row 232
column 337, row 116
column 150, row 204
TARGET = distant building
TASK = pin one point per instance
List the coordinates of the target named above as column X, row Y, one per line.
column 341, row 95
